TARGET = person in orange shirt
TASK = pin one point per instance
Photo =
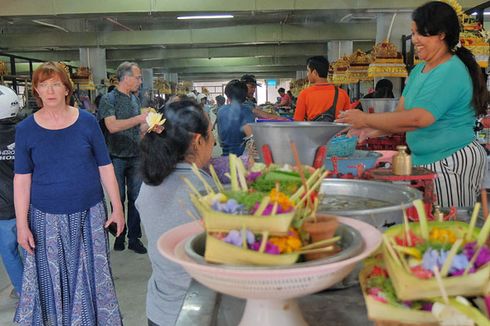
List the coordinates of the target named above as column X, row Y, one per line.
column 321, row 101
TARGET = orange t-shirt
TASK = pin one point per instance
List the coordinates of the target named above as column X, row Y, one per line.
column 315, row 99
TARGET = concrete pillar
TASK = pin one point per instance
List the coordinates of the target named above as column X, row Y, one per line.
column 337, row 49
column 401, row 26
column 301, row 74
column 171, row 77
column 147, row 74
column 95, row 59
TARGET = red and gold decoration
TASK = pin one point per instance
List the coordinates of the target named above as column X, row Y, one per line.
column 83, row 77
column 472, row 36
column 340, row 74
column 387, row 62
column 162, row 86
column 359, row 65
column 296, row 86
column 3, row 68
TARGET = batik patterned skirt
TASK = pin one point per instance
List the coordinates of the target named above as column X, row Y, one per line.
column 68, row 280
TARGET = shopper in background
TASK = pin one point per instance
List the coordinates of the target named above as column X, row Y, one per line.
column 120, row 111
column 438, row 108
column 251, row 101
column 220, row 101
column 9, row 250
column 233, row 119
column 167, row 154
column 321, row 101
column 285, row 100
column 252, row 84
column 61, row 164
column 383, row 89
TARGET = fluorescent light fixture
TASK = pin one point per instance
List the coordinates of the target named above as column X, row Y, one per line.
column 206, row 17
column 486, row 13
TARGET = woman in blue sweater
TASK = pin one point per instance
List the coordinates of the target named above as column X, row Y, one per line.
column 61, row 164
column 438, row 108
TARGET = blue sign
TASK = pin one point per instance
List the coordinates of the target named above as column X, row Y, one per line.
column 271, row 82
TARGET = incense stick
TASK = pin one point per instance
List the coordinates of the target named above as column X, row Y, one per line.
column 407, row 228
column 440, row 284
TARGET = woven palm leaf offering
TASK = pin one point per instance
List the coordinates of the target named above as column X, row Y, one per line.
column 243, row 206
column 386, row 309
column 251, row 223
column 413, row 251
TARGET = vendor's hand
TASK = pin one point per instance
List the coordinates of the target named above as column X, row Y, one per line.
column 117, row 216
column 356, row 118
column 365, row 133
column 26, row 239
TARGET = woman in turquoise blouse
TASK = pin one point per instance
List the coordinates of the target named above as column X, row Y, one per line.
column 438, row 108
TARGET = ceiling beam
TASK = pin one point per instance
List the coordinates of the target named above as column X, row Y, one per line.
column 218, row 63
column 76, row 7
column 230, row 76
column 262, row 50
column 248, row 34
column 239, row 70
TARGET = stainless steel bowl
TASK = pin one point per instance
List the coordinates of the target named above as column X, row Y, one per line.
column 396, row 196
column 351, row 243
column 376, row 105
column 307, row 136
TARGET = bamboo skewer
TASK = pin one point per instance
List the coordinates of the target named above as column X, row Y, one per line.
column 484, row 232
column 407, row 228
column 191, row 186
column 233, row 178
column 298, row 164
column 189, row 212
column 198, row 174
column 241, row 174
column 263, row 243
column 321, row 243
column 216, row 179
column 450, row 256
column 424, row 229
column 310, row 180
column 472, row 260
column 315, row 186
column 474, row 216
column 262, row 206
column 440, row 284
column 311, row 251
column 392, row 252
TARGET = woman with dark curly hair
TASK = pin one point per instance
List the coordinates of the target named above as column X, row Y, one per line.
column 167, row 153
column 439, row 105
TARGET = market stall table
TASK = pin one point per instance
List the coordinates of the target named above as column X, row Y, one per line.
column 205, row 307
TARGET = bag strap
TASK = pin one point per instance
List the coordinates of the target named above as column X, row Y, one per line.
column 329, row 114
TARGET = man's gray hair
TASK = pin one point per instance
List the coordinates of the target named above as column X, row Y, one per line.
column 125, row 69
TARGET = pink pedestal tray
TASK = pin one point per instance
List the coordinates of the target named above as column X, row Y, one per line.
column 270, row 293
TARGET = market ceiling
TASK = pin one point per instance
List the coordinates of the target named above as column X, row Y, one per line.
column 270, row 38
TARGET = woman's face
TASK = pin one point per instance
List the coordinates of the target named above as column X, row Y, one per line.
column 427, row 47
column 52, row 92
column 205, row 148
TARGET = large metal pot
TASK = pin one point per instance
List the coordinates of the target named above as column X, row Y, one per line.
column 307, row 136
column 376, row 105
column 397, row 197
